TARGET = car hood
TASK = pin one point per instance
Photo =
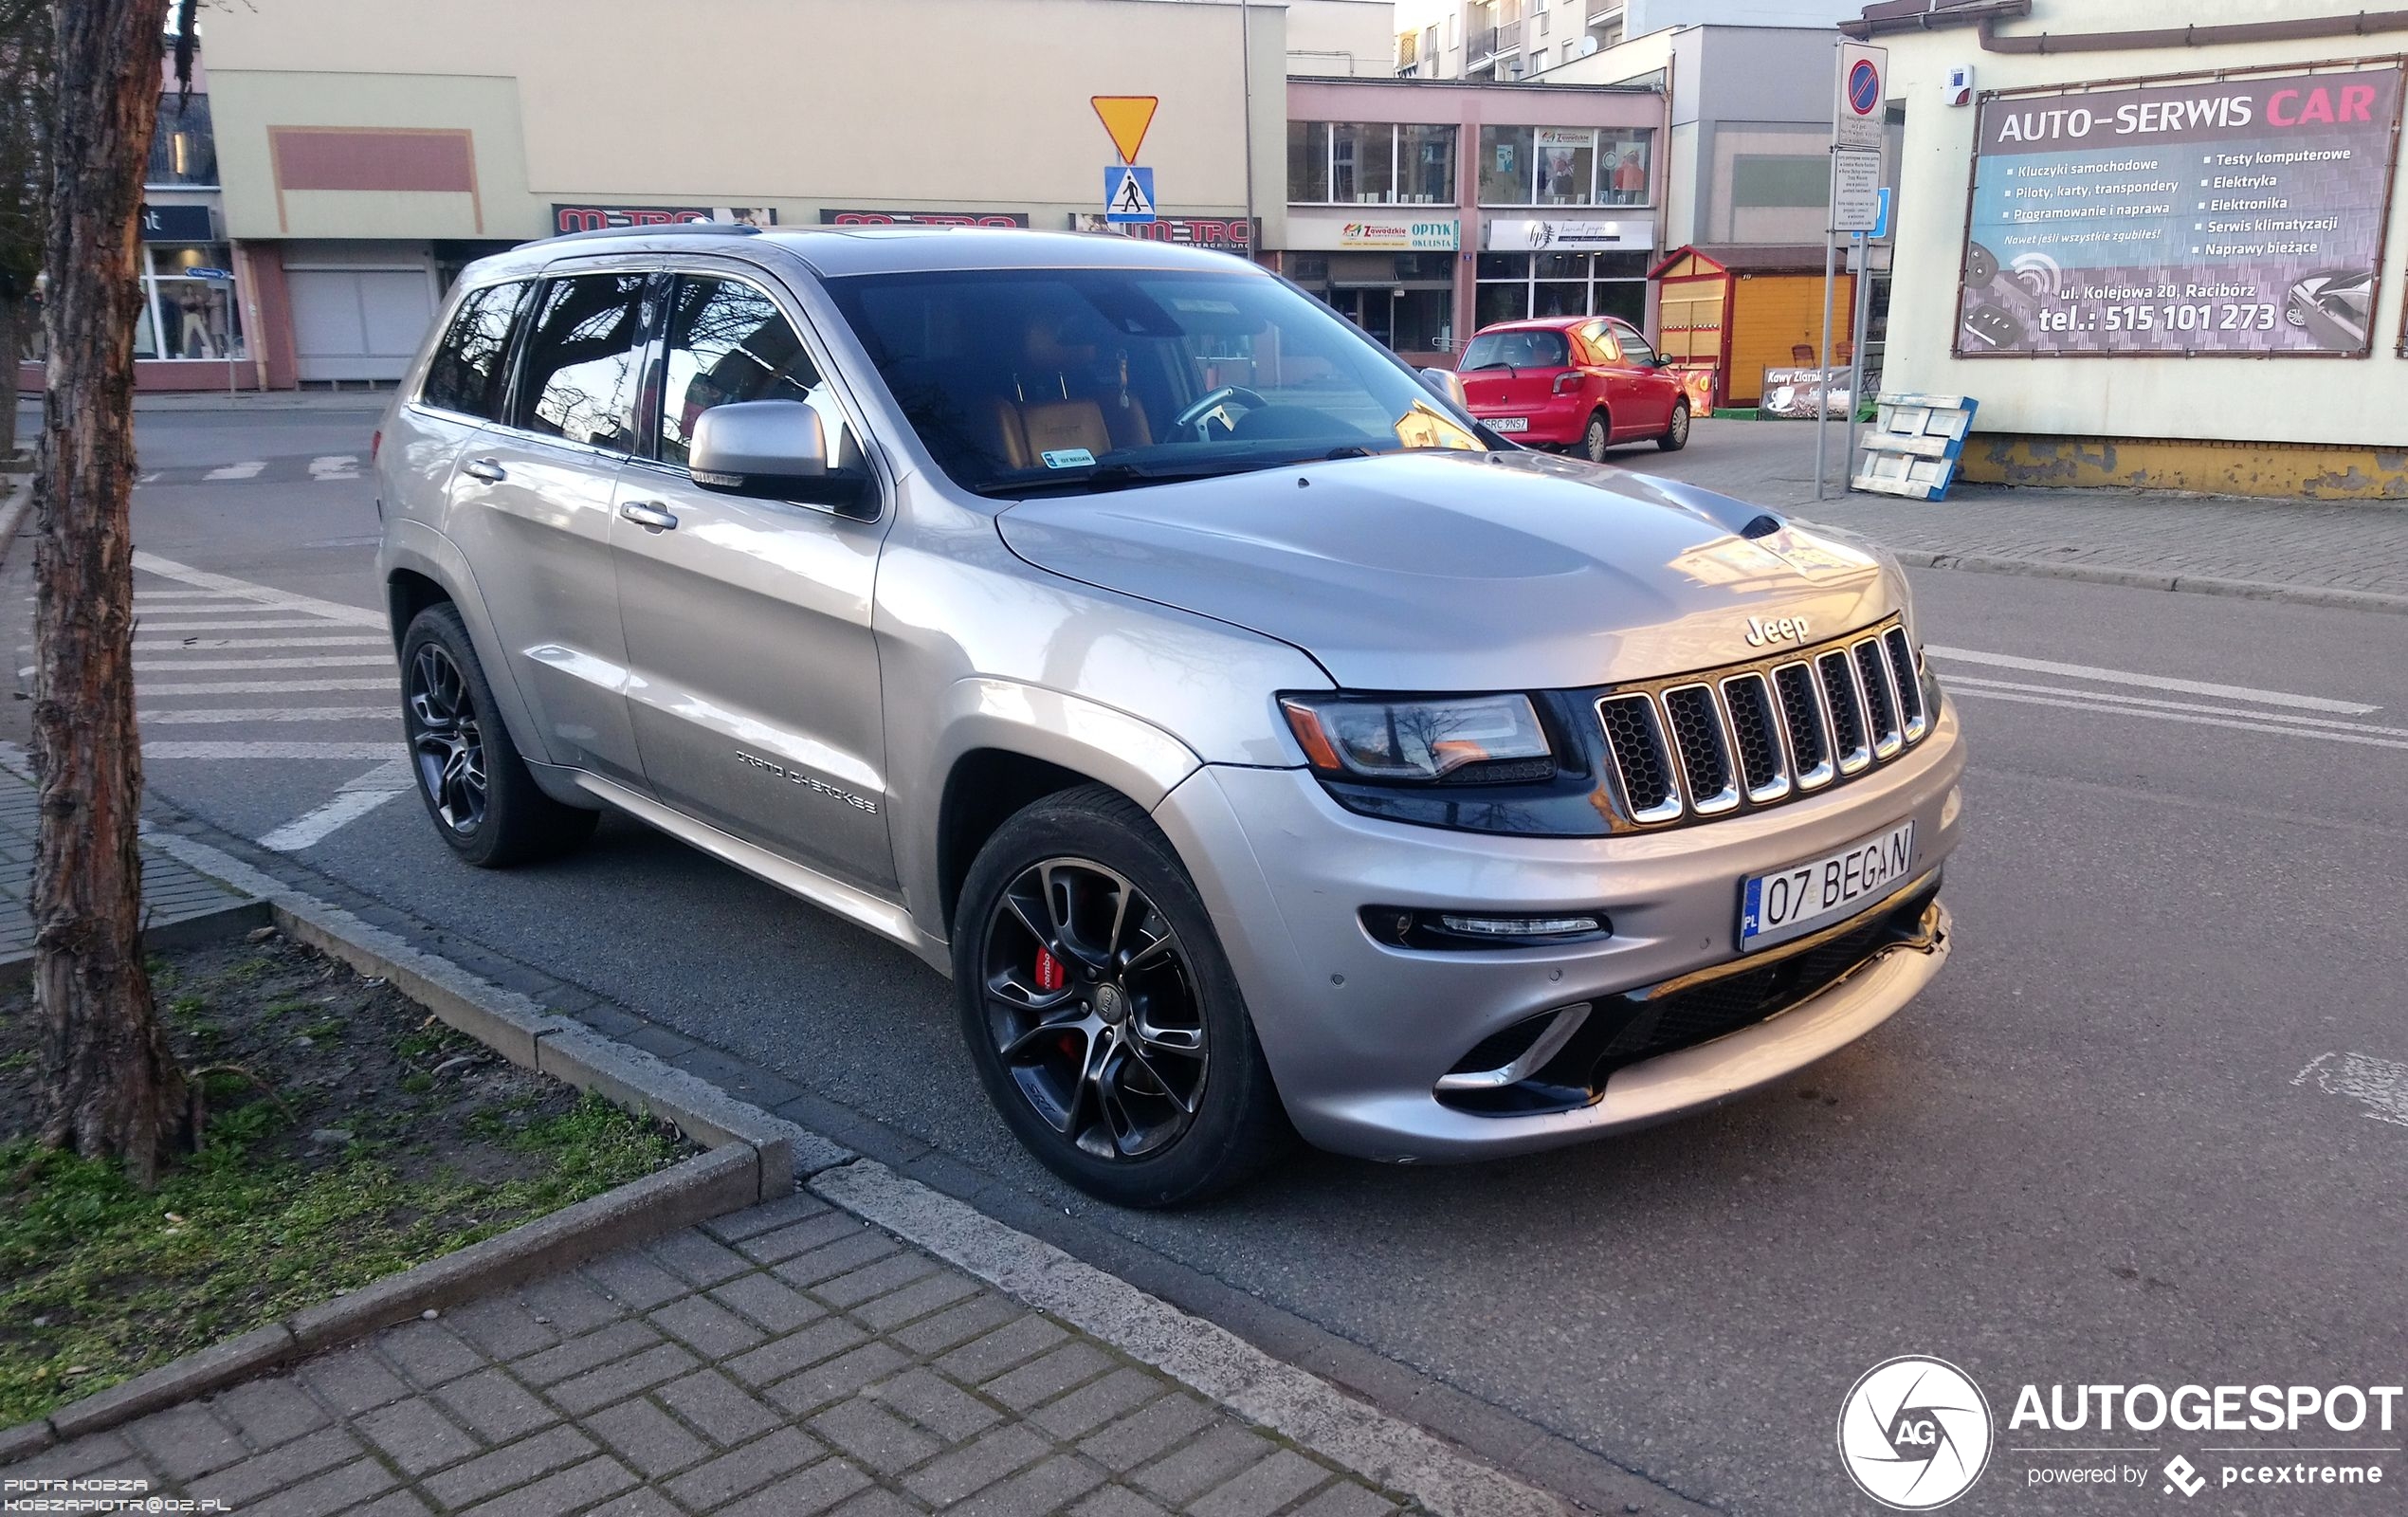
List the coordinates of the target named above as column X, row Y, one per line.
column 1435, row 571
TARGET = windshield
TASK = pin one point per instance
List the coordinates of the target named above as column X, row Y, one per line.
column 1021, row 381
column 1530, row 348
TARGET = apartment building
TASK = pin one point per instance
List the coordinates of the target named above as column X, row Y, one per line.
column 1511, row 40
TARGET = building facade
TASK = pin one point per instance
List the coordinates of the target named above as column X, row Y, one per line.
column 1424, row 211
column 365, row 155
column 2163, row 246
column 1516, row 39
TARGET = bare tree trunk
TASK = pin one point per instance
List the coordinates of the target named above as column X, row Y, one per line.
column 114, row 1085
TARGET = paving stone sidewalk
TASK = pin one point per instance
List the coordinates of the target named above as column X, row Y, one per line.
column 171, row 892
column 2315, row 545
column 781, row 1362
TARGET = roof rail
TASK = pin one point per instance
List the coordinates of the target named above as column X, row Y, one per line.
column 661, row 229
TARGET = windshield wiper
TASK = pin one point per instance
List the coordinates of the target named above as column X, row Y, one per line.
column 1116, row 476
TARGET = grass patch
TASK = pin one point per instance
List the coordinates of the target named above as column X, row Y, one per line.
column 323, row 1169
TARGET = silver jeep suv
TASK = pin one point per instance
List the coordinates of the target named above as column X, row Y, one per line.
column 1261, row 745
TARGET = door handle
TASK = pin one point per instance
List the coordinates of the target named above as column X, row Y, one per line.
column 484, row 469
column 649, row 514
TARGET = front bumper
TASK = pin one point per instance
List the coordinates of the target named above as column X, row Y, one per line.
column 1358, row 1032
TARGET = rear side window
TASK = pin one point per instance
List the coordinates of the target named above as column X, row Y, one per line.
column 1529, row 348
column 582, row 360
column 466, row 375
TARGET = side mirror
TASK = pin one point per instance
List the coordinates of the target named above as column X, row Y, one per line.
column 772, row 449
column 1447, row 383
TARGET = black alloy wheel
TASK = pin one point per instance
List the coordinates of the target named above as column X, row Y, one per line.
column 447, row 744
column 1093, row 1008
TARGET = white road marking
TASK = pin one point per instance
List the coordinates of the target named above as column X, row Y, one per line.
column 2381, row 1084
column 1966, row 681
column 263, row 594
column 359, row 795
column 172, row 644
column 286, row 624
column 269, row 686
column 268, row 750
column 204, row 597
column 335, row 467
column 272, row 713
column 2156, row 682
column 315, row 661
column 2262, row 725
column 236, row 471
column 209, row 612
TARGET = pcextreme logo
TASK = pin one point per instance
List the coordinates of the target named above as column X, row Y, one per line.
column 1914, row 1433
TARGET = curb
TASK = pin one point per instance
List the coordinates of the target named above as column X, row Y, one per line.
column 1386, row 1449
column 772, row 1155
column 184, row 932
column 707, row 1185
column 2266, row 590
column 526, row 1033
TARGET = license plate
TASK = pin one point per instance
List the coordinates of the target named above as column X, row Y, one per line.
column 1791, row 902
column 1509, row 424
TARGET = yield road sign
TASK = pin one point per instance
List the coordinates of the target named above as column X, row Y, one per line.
column 1127, row 117
column 1128, row 193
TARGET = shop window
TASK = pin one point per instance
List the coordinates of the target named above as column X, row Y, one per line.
column 1308, row 161
column 1512, row 286
column 1564, row 166
column 1370, row 164
column 188, row 309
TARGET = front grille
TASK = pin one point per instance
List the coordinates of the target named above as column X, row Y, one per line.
column 1697, row 746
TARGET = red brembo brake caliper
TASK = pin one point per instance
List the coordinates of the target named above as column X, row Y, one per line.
column 1050, row 976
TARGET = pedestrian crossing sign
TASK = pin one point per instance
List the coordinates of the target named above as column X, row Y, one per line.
column 1128, row 193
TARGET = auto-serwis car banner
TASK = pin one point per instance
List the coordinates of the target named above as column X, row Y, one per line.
column 2236, row 216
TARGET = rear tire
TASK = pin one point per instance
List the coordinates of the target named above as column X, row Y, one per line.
column 1597, row 439
column 1102, row 1012
column 1676, row 433
column 471, row 778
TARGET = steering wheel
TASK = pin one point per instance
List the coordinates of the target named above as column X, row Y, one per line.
column 1195, row 415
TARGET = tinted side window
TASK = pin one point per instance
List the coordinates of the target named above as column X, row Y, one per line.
column 583, row 357
column 728, row 341
column 466, row 375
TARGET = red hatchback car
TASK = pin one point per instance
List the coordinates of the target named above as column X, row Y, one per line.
column 1586, row 382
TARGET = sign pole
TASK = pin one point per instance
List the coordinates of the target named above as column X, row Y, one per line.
column 1831, row 257
column 1862, row 247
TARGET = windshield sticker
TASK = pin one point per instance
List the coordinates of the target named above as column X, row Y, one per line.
column 1189, row 302
column 1067, row 457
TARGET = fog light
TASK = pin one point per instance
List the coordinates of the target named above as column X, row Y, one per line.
column 1404, row 927
column 1519, row 926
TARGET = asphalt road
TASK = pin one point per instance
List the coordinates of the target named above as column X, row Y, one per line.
column 2151, row 1126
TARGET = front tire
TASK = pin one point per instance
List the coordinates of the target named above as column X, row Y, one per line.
column 1101, row 1011
column 474, row 783
column 1676, row 433
column 1597, row 439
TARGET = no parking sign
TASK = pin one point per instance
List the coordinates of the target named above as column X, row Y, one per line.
column 1863, row 94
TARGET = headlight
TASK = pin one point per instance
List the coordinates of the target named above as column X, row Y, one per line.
column 1360, row 738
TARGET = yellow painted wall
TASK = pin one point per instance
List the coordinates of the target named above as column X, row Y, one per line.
column 1771, row 313
column 2325, row 473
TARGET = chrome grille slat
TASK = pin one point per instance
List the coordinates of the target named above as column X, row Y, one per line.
column 1634, row 735
column 1807, row 724
column 1699, row 746
column 1764, row 759
column 1910, row 686
column 1881, row 698
column 1836, row 673
column 1694, row 718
